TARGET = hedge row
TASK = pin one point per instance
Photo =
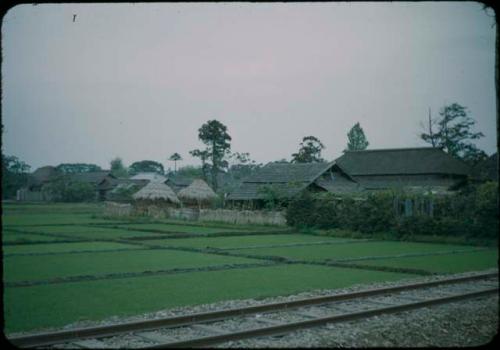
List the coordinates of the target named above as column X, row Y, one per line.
column 472, row 212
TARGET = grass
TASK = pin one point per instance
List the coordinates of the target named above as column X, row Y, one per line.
column 37, row 208
column 169, row 228
column 241, row 241
column 23, row 268
column 64, row 247
column 55, row 305
column 16, row 237
column 89, row 232
column 43, row 219
column 455, row 263
column 392, row 236
column 353, row 250
column 28, row 308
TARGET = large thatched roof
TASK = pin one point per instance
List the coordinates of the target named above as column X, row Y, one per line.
column 198, row 190
column 401, row 161
column 43, row 175
column 156, row 190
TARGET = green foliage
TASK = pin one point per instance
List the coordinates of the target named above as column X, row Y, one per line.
column 217, row 141
column 309, row 151
column 146, row 166
column 14, row 175
column 300, row 212
column 189, row 171
column 274, row 197
column 472, row 213
column 455, row 133
column 117, row 168
column 72, row 168
column 64, row 190
column 356, row 139
column 123, row 193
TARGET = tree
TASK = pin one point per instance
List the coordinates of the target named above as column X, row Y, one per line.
column 72, row 168
column 175, row 157
column 65, row 190
column 146, row 166
column 205, row 167
column 356, row 139
column 189, row 171
column 241, row 165
column 217, row 141
column 14, row 175
column 309, row 151
column 117, row 168
column 454, row 134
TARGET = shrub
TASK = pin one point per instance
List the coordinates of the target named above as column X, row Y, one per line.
column 471, row 213
column 300, row 211
column 67, row 191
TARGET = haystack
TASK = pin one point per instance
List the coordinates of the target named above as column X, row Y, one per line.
column 158, row 192
column 198, row 193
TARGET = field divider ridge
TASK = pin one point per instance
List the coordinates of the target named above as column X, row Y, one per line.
column 409, row 255
column 123, row 275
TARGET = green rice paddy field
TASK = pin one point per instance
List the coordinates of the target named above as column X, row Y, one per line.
column 64, row 263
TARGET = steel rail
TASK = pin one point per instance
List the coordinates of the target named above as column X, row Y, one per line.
column 290, row 327
column 44, row 339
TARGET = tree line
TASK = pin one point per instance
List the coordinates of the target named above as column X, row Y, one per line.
column 453, row 131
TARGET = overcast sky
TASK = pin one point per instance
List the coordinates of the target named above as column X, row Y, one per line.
column 138, row 80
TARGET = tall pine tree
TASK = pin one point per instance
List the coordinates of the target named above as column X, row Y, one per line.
column 356, row 139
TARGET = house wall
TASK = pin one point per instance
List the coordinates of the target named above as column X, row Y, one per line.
column 25, row 195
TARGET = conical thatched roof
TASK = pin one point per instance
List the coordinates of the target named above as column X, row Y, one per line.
column 198, row 190
column 156, row 190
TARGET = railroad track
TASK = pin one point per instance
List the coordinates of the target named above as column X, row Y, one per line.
column 215, row 327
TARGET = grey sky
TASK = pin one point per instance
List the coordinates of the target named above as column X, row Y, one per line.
column 138, row 80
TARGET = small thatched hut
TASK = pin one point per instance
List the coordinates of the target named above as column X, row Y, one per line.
column 155, row 195
column 198, row 194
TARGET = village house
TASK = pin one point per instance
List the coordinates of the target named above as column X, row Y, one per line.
column 177, row 183
column 35, row 189
column 153, row 177
column 416, row 169
column 38, row 183
column 111, row 188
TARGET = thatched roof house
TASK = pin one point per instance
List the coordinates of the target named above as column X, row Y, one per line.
column 355, row 171
column 155, row 191
column 197, row 193
column 423, row 167
column 286, row 180
column 42, row 176
column 120, row 188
